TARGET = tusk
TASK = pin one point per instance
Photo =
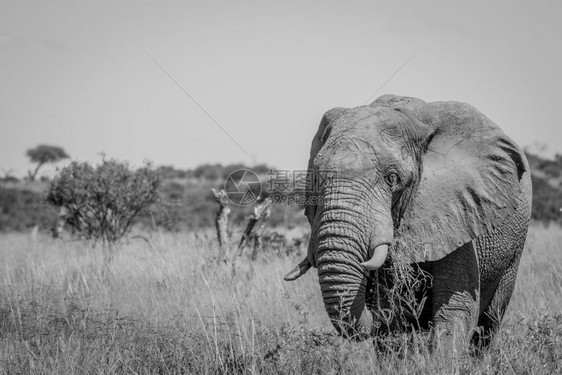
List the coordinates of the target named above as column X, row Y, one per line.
column 378, row 258
column 298, row 271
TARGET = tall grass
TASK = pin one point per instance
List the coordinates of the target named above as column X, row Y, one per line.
column 170, row 307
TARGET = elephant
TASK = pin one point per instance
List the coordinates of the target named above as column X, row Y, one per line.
column 433, row 188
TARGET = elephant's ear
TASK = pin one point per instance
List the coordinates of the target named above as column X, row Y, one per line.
column 470, row 181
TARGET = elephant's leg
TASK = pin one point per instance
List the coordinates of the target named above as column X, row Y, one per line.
column 500, row 252
column 493, row 314
column 455, row 298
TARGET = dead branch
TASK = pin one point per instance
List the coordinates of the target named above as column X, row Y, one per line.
column 221, row 221
column 255, row 227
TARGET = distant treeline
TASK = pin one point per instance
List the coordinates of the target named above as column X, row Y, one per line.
column 210, row 172
column 547, row 188
column 23, row 208
column 187, row 202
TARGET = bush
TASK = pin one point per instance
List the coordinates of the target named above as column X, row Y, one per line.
column 103, row 202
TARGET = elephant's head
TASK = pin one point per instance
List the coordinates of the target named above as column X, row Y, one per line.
column 434, row 175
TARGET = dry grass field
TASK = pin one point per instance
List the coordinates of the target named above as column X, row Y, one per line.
column 170, row 308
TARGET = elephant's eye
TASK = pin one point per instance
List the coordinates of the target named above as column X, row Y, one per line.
column 392, row 180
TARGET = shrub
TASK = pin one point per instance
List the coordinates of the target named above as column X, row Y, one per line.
column 103, row 202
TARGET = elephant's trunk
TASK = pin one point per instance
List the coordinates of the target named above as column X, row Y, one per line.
column 350, row 243
column 344, row 295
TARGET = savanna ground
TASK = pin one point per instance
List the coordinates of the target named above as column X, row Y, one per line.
column 170, row 308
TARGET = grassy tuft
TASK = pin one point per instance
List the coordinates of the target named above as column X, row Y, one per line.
column 170, row 308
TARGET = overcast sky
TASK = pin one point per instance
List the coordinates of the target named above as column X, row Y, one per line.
column 81, row 75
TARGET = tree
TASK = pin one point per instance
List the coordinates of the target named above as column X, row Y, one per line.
column 43, row 154
column 103, row 202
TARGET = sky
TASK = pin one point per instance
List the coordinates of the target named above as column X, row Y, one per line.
column 183, row 83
